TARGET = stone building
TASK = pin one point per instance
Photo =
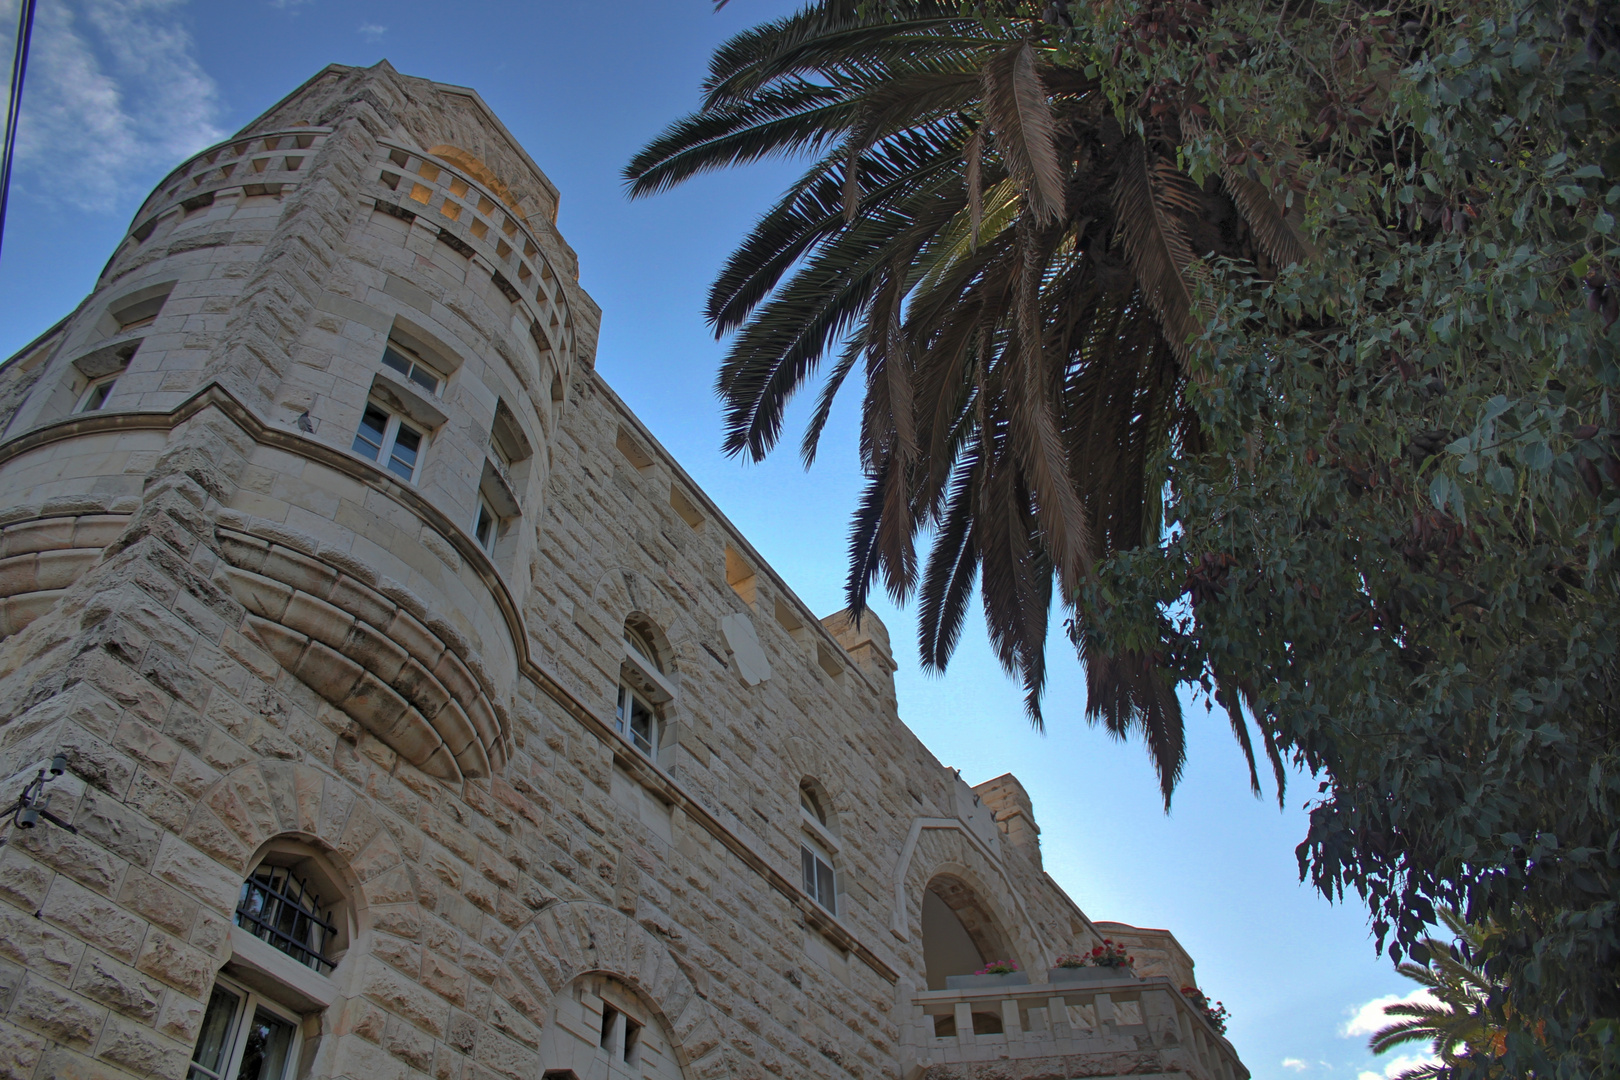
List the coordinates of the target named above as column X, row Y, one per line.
column 420, row 717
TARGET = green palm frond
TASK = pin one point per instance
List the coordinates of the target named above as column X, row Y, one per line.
column 1015, row 279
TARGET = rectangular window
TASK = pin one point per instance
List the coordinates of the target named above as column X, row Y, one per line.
column 638, row 723
column 243, row 1037
column 487, row 525
column 397, row 358
column 389, row 441
column 818, row 877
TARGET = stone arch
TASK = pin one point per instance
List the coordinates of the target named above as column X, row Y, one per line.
column 807, row 761
column 574, row 938
column 621, row 594
column 264, row 800
column 946, row 853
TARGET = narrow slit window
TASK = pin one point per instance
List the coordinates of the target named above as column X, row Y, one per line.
column 96, row 394
column 610, row 1016
column 487, row 526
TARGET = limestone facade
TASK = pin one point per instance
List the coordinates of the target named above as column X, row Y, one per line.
column 327, row 558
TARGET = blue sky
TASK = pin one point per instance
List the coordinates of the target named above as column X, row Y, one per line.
column 121, row 90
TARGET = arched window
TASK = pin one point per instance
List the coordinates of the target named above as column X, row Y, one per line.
column 293, row 926
column 644, row 690
column 818, row 847
column 602, row 1028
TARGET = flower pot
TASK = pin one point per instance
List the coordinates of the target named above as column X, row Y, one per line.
column 1089, row 974
column 983, row 982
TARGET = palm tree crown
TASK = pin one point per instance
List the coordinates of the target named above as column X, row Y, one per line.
column 1012, row 271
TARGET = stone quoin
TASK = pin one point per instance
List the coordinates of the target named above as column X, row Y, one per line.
column 422, row 718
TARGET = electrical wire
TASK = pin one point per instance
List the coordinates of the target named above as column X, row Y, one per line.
column 19, row 68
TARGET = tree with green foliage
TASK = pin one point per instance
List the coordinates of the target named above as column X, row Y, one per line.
column 1456, row 1019
column 1293, row 386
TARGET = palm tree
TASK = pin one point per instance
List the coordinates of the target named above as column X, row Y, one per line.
column 1458, row 1021
column 1013, row 270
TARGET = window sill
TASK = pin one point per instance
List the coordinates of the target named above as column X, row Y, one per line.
column 273, row 973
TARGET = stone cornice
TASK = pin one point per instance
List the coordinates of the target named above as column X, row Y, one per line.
column 648, row 775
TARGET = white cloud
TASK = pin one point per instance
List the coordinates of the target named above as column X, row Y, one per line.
column 372, row 32
column 1296, row 1064
column 114, row 93
column 1369, row 1017
column 1397, row 1065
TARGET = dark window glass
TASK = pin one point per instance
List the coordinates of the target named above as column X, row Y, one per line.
column 212, row 1055
column 393, row 360
column 368, row 440
column 402, row 460
column 265, row 1055
column 484, row 530
column 609, row 1015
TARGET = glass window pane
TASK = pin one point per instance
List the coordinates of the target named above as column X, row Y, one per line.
column 826, row 893
column 424, row 378
column 369, row 439
column 807, row 864
column 484, row 530
column 641, row 726
column 264, row 1057
column 624, row 704
column 214, row 1040
column 394, row 360
column 407, row 445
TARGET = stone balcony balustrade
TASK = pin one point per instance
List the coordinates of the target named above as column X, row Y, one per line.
column 1122, row 1026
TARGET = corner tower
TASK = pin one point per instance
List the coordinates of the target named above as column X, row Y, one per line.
column 370, row 270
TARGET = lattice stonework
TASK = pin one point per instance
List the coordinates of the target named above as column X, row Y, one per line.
column 471, row 219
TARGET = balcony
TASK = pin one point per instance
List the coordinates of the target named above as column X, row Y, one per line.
column 1122, row 1026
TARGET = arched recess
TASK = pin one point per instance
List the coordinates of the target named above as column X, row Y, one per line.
column 578, row 938
column 959, row 934
column 264, row 800
column 942, row 858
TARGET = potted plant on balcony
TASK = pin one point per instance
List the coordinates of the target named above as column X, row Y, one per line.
column 995, row 973
column 1214, row 1012
column 1107, row 962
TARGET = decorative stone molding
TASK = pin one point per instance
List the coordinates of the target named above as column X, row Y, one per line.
column 250, row 805
column 42, row 557
column 370, row 655
column 576, row 938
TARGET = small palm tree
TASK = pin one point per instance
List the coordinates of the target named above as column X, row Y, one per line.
column 1461, row 1024
column 1015, row 272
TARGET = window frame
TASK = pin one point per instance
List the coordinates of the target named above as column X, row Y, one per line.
column 109, row 381
column 624, row 721
column 486, row 509
column 413, row 362
column 249, row 1002
column 390, row 440
column 814, row 858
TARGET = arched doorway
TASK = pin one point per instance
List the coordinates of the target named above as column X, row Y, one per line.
column 959, row 936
